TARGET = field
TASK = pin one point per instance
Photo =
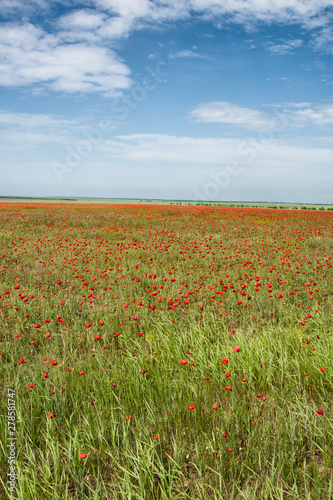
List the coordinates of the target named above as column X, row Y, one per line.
column 166, row 352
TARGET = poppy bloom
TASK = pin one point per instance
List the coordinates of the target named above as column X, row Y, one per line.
column 322, row 369
column 183, row 362
column 101, row 323
column 259, row 395
column 143, row 372
column 97, row 337
column 320, row 412
column 51, row 415
column 236, row 349
column 45, row 375
column 214, row 406
column 224, row 361
column 228, row 374
column 128, row 417
column 47, row 320
column 114, row 384
column 81, row 372
column 31, row 385
column 21, row 361
column 37, row 325
column 191, row 407
column 82, row 455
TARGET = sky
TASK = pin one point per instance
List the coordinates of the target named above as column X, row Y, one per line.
column 205, row 100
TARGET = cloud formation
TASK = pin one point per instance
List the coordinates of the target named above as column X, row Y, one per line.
column 30, row 56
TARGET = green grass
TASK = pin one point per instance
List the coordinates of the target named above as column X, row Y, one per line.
column 277, row 447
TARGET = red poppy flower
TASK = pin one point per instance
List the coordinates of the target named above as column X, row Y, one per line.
column 228, row 374
column 183, row 362
column 82, row 455
column 128, row 417
column 322, row 369
column 21, row 361
column 214, row 406
column 320, row 412
column 191, row 407
column 225, row 434
column 97, row 337
column 236, row 349
column 101, row 323
column 224, row 361
column 31, row 385
column 37, row 325
column 45, row 375
column 51, row 415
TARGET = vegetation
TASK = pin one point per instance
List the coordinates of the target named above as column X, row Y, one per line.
column 167, row 352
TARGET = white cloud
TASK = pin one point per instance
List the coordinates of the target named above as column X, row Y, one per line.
column 320, row 115
column 285, row 47
column 323, row 40
column 82, row 19
column 229, row 114
column 295, row 114
column 187, row 53
column 29, row 56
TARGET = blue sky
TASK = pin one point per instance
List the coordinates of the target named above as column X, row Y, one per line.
column 199, row 99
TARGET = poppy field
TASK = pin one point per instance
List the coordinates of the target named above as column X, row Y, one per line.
column 166, row 352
